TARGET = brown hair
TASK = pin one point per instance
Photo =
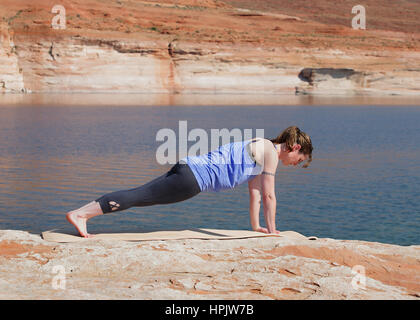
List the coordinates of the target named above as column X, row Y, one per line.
column 293, row 135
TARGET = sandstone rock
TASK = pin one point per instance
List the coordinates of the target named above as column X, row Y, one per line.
column 11, row 79
column 255, row 268
column 324, row 80
column 205, row 47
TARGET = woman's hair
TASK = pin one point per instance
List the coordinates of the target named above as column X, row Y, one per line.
column 293, row 135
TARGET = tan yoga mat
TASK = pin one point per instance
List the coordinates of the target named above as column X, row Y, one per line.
column 171, row 235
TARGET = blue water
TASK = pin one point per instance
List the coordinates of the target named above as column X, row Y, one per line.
column 363, row 183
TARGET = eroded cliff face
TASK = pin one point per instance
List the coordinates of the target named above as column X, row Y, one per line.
column 254, row 268
column 202, row 47
column 11, row 79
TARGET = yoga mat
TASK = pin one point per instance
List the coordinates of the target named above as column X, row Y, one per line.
column 206, row 234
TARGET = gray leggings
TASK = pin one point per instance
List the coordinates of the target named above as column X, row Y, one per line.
column 178, row 184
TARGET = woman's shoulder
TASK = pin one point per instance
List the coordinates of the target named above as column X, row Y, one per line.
column 262, row 142
column 260, row 147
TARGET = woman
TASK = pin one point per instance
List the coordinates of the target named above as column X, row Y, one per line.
column 253, row 161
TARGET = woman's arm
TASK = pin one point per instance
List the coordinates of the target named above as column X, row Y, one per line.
column 269, row 200
column 267, row 188
column 254, row 187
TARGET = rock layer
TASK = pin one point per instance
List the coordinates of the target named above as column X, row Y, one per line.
column 205, row 47
column 255, row 268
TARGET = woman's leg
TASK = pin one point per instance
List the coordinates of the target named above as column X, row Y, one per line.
column 176, row 185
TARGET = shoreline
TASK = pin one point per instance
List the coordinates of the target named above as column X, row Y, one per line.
column 198, row 99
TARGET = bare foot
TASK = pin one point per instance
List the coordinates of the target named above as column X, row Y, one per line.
column 79, row 222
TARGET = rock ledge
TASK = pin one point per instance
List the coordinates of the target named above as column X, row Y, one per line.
column 255, row 268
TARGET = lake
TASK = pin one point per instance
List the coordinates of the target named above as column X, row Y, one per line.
column 363, row 183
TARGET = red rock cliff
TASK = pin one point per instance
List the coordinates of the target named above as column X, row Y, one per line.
column 209, row 46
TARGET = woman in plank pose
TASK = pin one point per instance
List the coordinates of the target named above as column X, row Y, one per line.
column 254, row 161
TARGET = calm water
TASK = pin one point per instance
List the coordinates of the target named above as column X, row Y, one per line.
column 363, row 184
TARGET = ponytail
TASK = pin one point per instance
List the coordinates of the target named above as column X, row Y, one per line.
column 292, row 136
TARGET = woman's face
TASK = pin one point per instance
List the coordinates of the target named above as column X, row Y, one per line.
column 294, row 157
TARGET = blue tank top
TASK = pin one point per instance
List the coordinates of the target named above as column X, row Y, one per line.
column 224, row 168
